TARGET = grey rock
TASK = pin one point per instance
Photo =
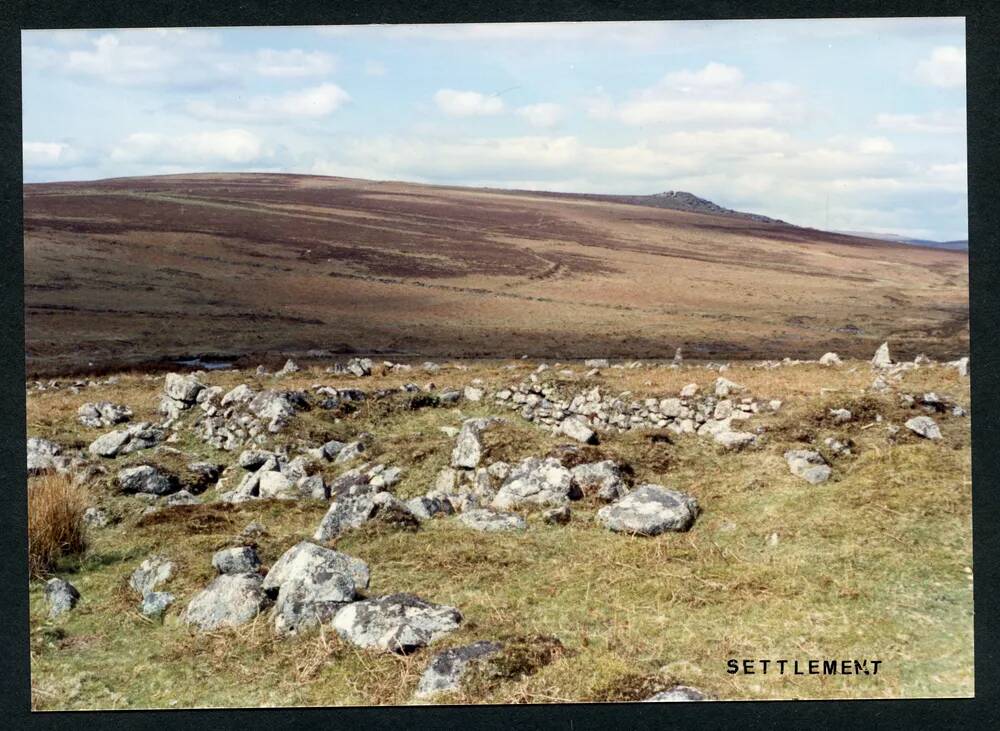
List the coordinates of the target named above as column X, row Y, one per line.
column 734, row 440
column 574, row 428
column 41, row 454
column 841, row 416
column 426, row 507
column 808, row 465
column 678, row 693
column 254, row 459
column 312, row 583
column 445, row 671
column 147, row 479
column 182, row 388
column 468, row 446
column 152, row 572
column 492, row 521
column 96, row 517
column 61, row 596
column 924, row 426
column 881, row 359
column 181, row 497
column 830, row 359
column 237, row 560
column 103, row 413
column 242, row 394
column 275, row 485
column 155, row 603
column 353, row 512
column 350, row 451
column 603, row 479
column 557, row 516
column 399, row 623
column 650, row 510
column 116, row 443
column 230, row 600
column 331, row 449
column 724, row 387
column 537, row 482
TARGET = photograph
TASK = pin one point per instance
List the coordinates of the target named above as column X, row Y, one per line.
column 497, row 363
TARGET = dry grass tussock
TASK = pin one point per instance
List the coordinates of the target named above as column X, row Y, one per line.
column 55, row 522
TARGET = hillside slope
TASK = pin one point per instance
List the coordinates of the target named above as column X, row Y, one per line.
column 128, row 271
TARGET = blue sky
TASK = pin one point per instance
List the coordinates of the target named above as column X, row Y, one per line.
column 841, row 124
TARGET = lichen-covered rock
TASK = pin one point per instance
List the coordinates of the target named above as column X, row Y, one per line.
column 678, row 693
column 650, row 510
column 103, row 413
column 126, row 441
column 574, row 428
column 468, row 446
column 237, row 560
column 182, row 388
column 312, row 583
column 230, row 600
column 537, row 481
column 882, row 359
column 399, row 623
column 445, row 671
column 41, row 455
column 603, row 479
column 808, row 465
column 491, row 521
column 61, row 596
column 146, row 479
column 924, row 426
column 353, row 512
column 426, row 506
column 155, row 603
column 152, row 572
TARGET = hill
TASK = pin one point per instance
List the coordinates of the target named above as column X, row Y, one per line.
column 132, row 271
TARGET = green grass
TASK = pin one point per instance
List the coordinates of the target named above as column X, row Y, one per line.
column 869, row 565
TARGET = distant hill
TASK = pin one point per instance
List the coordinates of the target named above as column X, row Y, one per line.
column 958, row 245
column 221, row 266
column 674, row 200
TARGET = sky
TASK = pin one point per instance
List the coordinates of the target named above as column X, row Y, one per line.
column 852, row 124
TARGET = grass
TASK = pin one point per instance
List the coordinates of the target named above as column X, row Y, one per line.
column 55, row 522
column 873, row 564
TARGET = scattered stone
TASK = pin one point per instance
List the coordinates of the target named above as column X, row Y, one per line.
column 538, row 482
column 426, row 507
column 689, row 391
column 603, row 479
column 399, row 623
column 678, row 693
column 724, row 387
column 830, row 359
column 841, row 416
column 808, row 465
column 242, row 394
column 61, row 596
column 312, row 583
column 103, row 413
column 734, row 440
column 353, row 512
column 445, row 671
column 96, row 517
column 468, row 447
column 41, row 455
column 181, row 497
column 349, row 451
column 924, row 426
column 491, row 521
column 650, row 510
column 881, row 359
column 152, row 572
column 146, row 478
column 473, row 393
column 230, row 600
column 116, row 443
column 155, row 603
column 290, row 367
column 574, row 428
column 239, row 560
column 182, row 388
column 557, row 516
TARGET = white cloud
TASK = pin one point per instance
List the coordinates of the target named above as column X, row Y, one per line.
column 294, row 63
column 467, row 103
column 938, row 122
column 311, row 103
column 715, row 94
column 149, row 57
column 544, row 115
column 231, row 146
column 944, row 68
column 712, row 75
column 48, row 154
column 875, row 146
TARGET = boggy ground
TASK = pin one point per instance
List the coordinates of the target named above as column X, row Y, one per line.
column 876, row 563
column 122, row 272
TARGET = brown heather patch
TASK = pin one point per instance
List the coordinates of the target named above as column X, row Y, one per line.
column 55, row 522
